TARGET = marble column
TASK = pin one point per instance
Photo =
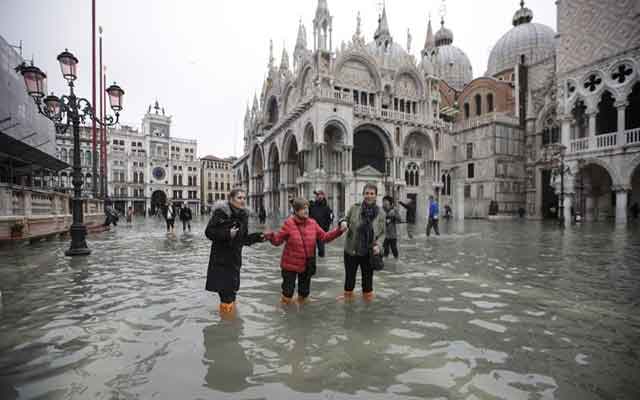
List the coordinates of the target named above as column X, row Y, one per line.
column 458, row 210
column 621, row 204
column 622, row 109
column 538, row 202
column 592, row 128
column 567, row 204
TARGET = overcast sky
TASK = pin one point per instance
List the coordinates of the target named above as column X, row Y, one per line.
column 204, row 59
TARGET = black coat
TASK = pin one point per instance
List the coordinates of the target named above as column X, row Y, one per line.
column 185, row 214
column 225, row 259
column 411, row 211
column 321, row 212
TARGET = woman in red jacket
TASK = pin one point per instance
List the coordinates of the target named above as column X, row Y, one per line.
column 301, row 233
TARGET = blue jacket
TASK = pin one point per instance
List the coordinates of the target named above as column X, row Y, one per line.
column 434, row 209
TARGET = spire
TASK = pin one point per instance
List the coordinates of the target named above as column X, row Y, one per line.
column 322, row 10
column 409, row 39
column 254, row 109
column 284, row 63
column 271, row 59
column 301, row 42
column 430, row 42
column 382, row 35
column 357, row 38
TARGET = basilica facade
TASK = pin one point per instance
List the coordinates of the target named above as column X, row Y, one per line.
column 545, row 129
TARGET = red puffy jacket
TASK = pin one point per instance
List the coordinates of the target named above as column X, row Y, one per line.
column 292, row 232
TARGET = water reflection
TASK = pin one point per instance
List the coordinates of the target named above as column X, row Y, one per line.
column 228, row 368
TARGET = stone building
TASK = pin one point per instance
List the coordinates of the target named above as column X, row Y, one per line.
column 173, row 167
column 216, row 179
column 555, row 114
column 338, row 119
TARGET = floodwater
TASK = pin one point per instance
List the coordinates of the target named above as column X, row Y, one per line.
column 489, row 310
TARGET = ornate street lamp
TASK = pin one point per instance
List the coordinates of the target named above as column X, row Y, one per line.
column 555, row 154
column 75, row 110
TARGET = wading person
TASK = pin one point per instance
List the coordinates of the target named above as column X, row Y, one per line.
column 298, row 257
column 170, row 216
column 392, row 217
column 262, row 215
column 320, row 211
column 186, row 216
column 129, row 215
column 365, row 237
column 228, row 231
column 434, row 215
column 410, row 206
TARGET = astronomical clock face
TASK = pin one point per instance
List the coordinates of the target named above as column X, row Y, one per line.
column 159, row 130
column 158, row 173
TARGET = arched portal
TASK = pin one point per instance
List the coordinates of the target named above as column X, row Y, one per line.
column 595, row 199
column 274, row 175
column 258, row 180
column 333, row 152
column 158, row 201
column 294, row 166
column 370, row 149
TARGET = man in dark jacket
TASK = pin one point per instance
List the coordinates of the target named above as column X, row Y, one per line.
column 186, row 216
column 320, row 211
column 228, row 231
column 410, row 206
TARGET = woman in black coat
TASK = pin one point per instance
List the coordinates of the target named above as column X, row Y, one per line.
column 228, row 231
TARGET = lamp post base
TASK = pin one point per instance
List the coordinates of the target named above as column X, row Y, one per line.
column 78, row 242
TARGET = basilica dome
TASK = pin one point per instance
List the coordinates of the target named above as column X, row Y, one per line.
column 447, row 61
column 535, row 41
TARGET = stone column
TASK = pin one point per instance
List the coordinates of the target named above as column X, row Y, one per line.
column 592, row 128
column 458, row 210
column 622, row 108
column 621, row 204
column 6, row 200
column 346, row 160
column 568, row 203
column 538, row 202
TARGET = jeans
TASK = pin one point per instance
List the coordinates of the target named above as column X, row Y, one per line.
column 433, row 223
column 186, row 224
column 390, row 243
column 227, row 297
column 289, row 283
column 351, row 264
column 320, row 245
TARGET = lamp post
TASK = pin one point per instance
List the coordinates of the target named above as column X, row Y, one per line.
column 557, row 154
column 75, row 110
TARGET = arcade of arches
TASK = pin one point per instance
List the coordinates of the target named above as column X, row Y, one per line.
column 310, row 161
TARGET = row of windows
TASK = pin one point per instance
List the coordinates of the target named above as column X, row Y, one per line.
column 216, row 165
column 191, row 180
column 478, row 106
column 220, row 187
column 218, row 196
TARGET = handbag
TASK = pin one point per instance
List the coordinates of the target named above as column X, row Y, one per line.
column 375, row 261
column 310, row 262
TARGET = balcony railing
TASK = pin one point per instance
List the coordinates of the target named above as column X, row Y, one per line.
column 606, row 141
column 373, row 111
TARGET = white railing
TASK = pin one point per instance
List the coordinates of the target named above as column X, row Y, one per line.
column 607, row 140
column 386, row 113
column 578, row 145
column 632, row 136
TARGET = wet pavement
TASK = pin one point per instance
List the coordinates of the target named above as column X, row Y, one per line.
column 506, row 310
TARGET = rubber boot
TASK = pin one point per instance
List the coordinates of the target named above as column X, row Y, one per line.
column 368, row 296
column 227, row 310
column 302, row 300
column 286, row 300
column 346, row 296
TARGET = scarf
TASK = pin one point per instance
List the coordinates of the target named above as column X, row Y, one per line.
column 365, row 231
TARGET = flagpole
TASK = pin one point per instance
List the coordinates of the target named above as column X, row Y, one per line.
column 94, row 158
